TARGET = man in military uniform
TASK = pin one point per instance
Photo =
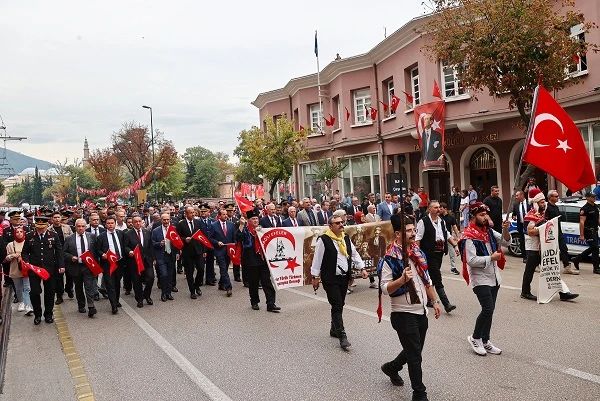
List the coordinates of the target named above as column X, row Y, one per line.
column 209, row 261
column 589, row 219
column 63, row 231
column 231, row 216
column 43, row 248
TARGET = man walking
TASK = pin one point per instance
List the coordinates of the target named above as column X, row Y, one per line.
column 552, row 211
column 520, row 209
column 192, row 252
column 494, row 204
column 165, row 255
column 223, row 232
column 589, row 219
column 132, row 239
column 452, row 228
column 112, row 240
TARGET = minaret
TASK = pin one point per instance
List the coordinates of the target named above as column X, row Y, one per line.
column 86, row 153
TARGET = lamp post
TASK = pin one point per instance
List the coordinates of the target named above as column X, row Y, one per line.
column 152, row 140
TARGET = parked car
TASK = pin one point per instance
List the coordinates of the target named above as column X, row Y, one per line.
column 569, row 223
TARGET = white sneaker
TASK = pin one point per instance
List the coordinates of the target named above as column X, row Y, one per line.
column 21, row 307
column 373, row 285
column 477, row 346
column 353, row 284
column 491, row 349
column 570, row 270
column 28, row 310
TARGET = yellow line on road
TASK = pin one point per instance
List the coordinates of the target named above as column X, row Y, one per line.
column 83, row 390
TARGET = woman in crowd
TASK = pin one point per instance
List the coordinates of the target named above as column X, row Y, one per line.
column 13, row 250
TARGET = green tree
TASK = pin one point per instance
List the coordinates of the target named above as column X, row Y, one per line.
column 245, row 173
column 506, row 46
column 2, row 189
column 326, row 171
column 27, row 191
column 16, row 195
column 36, row 188
column 273, row 153
column 204, row 170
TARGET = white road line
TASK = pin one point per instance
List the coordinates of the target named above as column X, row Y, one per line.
column 508, row 287
column 208, row 387
column 570, row 371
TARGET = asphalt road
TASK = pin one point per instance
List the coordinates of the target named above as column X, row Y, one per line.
column 217, row 348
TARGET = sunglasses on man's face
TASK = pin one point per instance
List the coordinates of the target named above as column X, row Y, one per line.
column 337, row 222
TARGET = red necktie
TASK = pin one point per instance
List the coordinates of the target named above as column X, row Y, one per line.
column 224, row 229
column 139, row 235
column 294, row 221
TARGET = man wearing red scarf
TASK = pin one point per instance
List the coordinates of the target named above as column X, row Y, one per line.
column 482, row 261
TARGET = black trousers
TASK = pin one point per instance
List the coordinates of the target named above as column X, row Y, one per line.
column 486, row 296
column 564, row 251
column 209, row 267
column 128, row 279
column 113, row 282
column 533, row 260
column 260, row 273
column 64, row 283
column 336, row 296
column 236, row 272
column 411, row 329
column 86, row 287
column 147, row 278
column 592, row 241
column 191, row 264
column 521, row 240
column 35, row 282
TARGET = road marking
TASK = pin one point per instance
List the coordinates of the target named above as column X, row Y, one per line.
column 508, row 287
column 570, row 371
column 209, row 388
column 83, row 390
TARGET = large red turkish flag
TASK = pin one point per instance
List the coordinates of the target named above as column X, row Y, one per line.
column 174, row 237
column 555, row 145
column 91, row 263
column 137, row 254
column 244, row 204
column 199, row 236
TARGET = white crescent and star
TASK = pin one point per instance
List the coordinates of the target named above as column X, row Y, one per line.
column 548, row 117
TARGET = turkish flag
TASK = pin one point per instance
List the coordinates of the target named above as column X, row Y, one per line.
column 244, row 204
column 91, row 263
column 395, row 102
column 373, row 114
column 173, row 236
column 260, row 191
column 235, row 253
column 301, row 128
column 409, row 98
column 347, row 114
column 385, row 106
column 199, row 235
column 137, row 254
column 112, row 259
column 555, row 145
column 436, row 90
column 40, row 271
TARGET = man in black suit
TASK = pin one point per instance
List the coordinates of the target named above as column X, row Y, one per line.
column 209, row 260
column 270, row 220
column 431, row 141
column 165, row 255
column 351, row 209
column 520, row 209
column 95, row 227
column 133, row 238
column 192, row 253
column 43, row 249
column 324, row 215
column 111, row 239
column 223, row 232
column 83, row 278
column 291, row 221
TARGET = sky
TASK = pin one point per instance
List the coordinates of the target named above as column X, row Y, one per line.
column 75, row 69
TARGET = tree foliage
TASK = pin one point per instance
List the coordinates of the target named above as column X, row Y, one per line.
column 326, row 171
column 244, row 172
column 16, row 195
column 106, row 169
column 172, row 186
column 273, row 153
column 204, row 169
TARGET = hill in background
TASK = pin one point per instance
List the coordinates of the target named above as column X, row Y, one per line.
column 20, row 162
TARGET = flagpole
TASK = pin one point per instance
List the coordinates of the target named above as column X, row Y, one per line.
column 319, row 84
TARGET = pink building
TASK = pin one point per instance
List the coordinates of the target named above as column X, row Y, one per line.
column 483, row 140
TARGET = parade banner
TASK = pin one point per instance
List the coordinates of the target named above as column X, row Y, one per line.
column 549, row 282
column 289, row 251
column 430, row 121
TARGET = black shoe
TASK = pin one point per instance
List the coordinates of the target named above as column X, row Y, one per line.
column 96, row 297
column 239, row 280
column 524, row 260
column 193, row 296
column 127, row 292
column 15, row 299
column 449, row 308
column 92, row 311
column 273, row 308
column 575, row 263
column 140, row 304
column 392, row 374
column 198, row 291
column 255, row 307
column 163, row 298
column 529, row 296
column 420, row 397
column 104, row 293
column 37, row 320
column 211, row 283
column 114, row 310
column 597, row 271
column 119, row 305
column 246, row 284
column 222, row 288
column 567, row 296
column 174, row 289
column 454, row 271
column 49, row 319
column 170, row 297
column 179, row 271
column 82, row 310
column 149, row 301
column 344, row 343
column 59, row 301
column 70, row 294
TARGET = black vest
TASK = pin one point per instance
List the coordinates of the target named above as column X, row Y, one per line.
column 329, row 262
column 427, row 244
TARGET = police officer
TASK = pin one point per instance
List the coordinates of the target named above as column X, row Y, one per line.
column 589, row 219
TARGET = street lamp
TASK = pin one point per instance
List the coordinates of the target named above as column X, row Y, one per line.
column 153, row 166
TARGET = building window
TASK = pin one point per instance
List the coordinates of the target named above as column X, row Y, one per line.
column 451, row 83
column 337, row 107
column 362, row 100
column 361, row 175
column 314, row 112
column 310, row 187
column 591, row 138
column 389, row 87
column 416, row 88
column 579, row 63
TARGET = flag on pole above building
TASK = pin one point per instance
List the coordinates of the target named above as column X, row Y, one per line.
column 316, row 45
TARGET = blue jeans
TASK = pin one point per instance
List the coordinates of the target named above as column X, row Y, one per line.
column 224, row 280
column 22, row 289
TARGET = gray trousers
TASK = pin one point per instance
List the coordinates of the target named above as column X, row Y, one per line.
column 86, row 287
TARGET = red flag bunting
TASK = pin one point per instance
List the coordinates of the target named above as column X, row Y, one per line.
column 112, row 259
column 436, row 90
column 137, row 254
column 385, row 106
column 91, row 263
column 409, row 98
column 554, row 142
column 235, row 253
column 40, row 271
column 199, row 236
column 173, row 236
column 244, row 204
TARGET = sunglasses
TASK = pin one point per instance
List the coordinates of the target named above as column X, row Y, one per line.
column 337, row 222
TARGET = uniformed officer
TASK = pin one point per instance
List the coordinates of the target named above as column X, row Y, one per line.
column 234, row 218
column 43, row 249
column 589, row 219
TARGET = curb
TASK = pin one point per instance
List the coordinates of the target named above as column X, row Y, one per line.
column 6, row 313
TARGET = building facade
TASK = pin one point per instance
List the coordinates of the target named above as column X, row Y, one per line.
column 484, row 138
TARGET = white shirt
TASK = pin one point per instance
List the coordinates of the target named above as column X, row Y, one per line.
column 482, row 271
column 122, row 227
column 78, row 243
column 402, row 303
column 315, row 269
column 111, row 243
column 167, row 242
column 439, row 234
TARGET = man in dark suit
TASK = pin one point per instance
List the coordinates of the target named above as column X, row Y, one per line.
column 43, row 249
column 324, row 215
column 307, row 215
column 520, row 209
column 133, row 238
column 223, row 232
column 351, row 209
column 95, row 227
column 86, row 284
column 270, row 220
column 165, row 255
column 291, row 221
column 192, row 252
column 111, row 239
column 431, row 141
column 209, row 260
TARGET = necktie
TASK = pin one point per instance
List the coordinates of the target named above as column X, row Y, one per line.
column 224, row 229
column 96, row 231
column 139, row 235
column 273, row 222
column 294, row 221
column 114, row 240
column 191, row 226
column 311, row 217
